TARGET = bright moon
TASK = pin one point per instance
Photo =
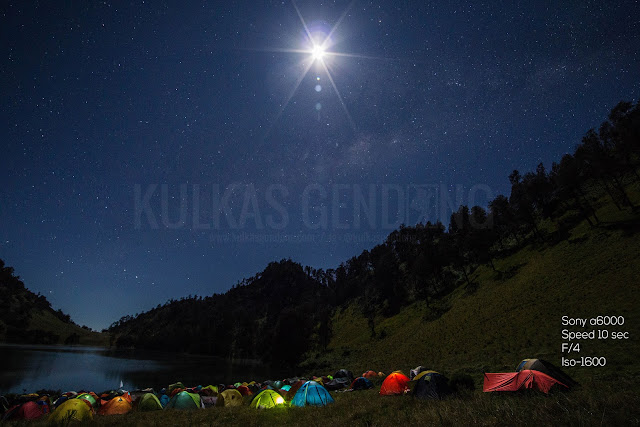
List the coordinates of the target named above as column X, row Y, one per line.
column 317, row 52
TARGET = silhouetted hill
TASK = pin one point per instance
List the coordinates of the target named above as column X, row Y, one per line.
column 276, row 315
column 28, row 318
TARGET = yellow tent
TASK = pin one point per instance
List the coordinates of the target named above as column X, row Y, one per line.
column 72, row 410
column 230, row 397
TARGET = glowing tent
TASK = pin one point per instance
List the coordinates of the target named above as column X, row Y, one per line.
column 267, row 399
column 395, row 383
column 313, row 394
column 116, row 406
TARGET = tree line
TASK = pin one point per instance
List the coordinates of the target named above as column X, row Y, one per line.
column 17, row 305
column 286, row 310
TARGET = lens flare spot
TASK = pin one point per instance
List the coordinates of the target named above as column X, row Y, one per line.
column 317, row 52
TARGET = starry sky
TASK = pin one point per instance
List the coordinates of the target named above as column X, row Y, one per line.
column 154, row 150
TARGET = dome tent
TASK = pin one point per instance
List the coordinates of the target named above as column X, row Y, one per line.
column 396, row 383
column 267, row 399
column 149, row 402
column 313, row 394
column 117, row 405
column 547, row 368
column 514, row 381
column 229, row 397
column 431, row 385
column 184, row 400
column 71, row 410
column 361, row 383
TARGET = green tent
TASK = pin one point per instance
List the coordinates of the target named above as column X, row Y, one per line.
column 149, row 402
column 88, row 398
column 184, row 400
column 267, row 399
column 174, row 386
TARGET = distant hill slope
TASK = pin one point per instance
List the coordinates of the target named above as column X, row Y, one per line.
column 27, row 318
column 512, row 314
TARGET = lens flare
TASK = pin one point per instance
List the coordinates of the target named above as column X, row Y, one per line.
column 317, row 52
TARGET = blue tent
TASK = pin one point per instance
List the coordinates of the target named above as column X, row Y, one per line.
column 311, row 393
column 184, row 400
column 164, row 400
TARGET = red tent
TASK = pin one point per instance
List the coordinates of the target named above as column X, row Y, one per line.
column 244, row 390
column 30, row 411
column 395, row 383
column 513, row 381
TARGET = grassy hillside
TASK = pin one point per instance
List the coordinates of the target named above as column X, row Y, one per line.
column 512, row 314
column 46, row 321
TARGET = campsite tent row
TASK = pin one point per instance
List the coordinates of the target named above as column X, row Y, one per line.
column 421, row 383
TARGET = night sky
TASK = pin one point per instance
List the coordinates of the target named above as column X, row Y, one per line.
column 108, row 105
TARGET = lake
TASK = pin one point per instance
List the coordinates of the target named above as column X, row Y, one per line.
column 31, row 368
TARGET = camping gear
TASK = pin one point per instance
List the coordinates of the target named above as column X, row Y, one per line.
column 361, row 383
column 184, row 400
column 244, row 390
column 229, row 397
column 343, row 373
column 431, row 385
column 338, row 383
column 72, row 410
column 208, row 401
column 164, row 400
column 513, row 381
column 92, row 398
column 31, row 411
column 116, row 406
column 267, row 399
column 210, row 390
column 149, row 402
column 415, row 371
column 547, row 368
column 293, row 390
column 396, row 383
column 370, row 374
column 313, row 394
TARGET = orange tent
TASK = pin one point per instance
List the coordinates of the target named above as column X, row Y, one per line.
column 395, row 383
column 370, row 374
column 117, row 405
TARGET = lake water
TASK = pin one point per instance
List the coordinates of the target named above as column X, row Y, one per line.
column 32, row 368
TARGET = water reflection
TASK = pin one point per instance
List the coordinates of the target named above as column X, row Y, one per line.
column 31, row 368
